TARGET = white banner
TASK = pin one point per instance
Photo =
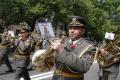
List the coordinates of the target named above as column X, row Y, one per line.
column 10, row 32
column 109, row 36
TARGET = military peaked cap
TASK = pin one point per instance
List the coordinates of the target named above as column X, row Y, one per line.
column 77, row 21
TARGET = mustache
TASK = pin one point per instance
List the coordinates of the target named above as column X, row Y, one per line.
column 71, row 34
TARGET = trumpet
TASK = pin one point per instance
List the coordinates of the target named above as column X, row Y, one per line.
column 43, row 60
column 15, row 37
column 10, row 38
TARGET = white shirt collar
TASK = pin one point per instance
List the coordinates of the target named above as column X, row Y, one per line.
column 74, row 42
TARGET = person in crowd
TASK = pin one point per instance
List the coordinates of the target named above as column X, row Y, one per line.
column 38, row 41
column 5, row 46
column 111, row 72
column 22, row 55
column 72, row 59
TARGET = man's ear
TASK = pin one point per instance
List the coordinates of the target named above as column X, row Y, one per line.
column 83, row 31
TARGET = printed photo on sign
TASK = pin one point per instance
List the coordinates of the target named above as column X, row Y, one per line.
column 46, row 30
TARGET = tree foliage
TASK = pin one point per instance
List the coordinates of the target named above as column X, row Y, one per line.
column 101, row 15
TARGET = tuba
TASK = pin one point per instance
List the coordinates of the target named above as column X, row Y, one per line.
column 43, row 60
column 113, row 49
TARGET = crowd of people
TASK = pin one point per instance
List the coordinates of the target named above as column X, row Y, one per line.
column 73, row 57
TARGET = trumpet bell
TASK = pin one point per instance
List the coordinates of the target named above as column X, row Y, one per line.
column 42, row 65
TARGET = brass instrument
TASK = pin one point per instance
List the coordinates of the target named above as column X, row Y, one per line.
column 44, row 60
column 11, row 38
column 16, row 37
column 113, row 49
column 6, row 41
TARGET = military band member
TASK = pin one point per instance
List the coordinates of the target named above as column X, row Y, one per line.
column 22, row 55
column 111, row 72
column 5, row 46
column 72, row 59
column 38, row 41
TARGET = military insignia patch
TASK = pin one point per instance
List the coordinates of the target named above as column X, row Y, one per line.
column 74, row 19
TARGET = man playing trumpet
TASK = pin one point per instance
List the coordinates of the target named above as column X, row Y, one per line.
column 5, row 47
column 22, row 55
column 72, row 59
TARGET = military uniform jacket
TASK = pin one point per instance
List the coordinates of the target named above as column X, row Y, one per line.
column 22, row 53
column 4, row 47
column 76, row 59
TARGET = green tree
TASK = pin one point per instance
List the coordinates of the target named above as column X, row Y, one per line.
column 101, row 15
